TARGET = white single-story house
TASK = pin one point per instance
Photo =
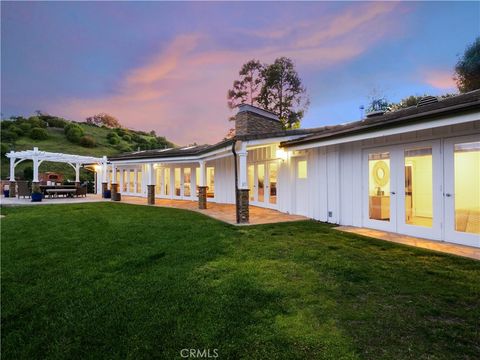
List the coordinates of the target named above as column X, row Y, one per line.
column 415, row 171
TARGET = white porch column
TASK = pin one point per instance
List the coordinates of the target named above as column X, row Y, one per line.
column 202, row 178
column 104, row 175
column 150, row 184
column 12, row 167
column 77, row 172
column 242, row 167
column 114, row 173
column 35, row 165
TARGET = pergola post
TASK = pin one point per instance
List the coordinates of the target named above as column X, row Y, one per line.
column 242, row 196
column 12, row 184
column 36, row 165
column 77, row 175
column 104, row 176
column 150, row 184
column 202, row 188
column 114, row 184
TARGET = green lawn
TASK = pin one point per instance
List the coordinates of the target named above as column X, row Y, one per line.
column 120, row 281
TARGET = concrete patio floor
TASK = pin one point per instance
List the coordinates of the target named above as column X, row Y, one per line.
column 60, row 200
column 445, row 247
column 223, row 212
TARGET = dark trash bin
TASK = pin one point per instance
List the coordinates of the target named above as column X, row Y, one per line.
column 107, row 194
column 6, row 193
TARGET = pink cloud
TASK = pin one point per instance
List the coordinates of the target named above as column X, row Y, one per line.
column 181, row 91
column 440, row 79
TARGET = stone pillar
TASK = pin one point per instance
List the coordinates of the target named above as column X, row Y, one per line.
column 202, row 197
column 115, row 194
column 243, row 215
column 151, row 194
column 104, row 188
column 77, row 184
column 13, row 189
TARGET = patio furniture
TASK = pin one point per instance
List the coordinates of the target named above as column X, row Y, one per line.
column 81, row 191
column 23, row 189
column 56, row 192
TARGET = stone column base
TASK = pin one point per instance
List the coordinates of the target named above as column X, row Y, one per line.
column 114, row 188
column 12, row 185
column 151, row 194
column 104, row 188
column 243, row 215
column 202, row 197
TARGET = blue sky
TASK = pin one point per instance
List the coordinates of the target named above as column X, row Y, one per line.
column 167, row 66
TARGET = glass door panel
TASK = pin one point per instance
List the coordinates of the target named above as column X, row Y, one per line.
column 419, row 187
column 261, row 182
column 131, row 181
column 158, row 181
column 210, row 182
column 139, row 182
column 467, row 187
column 177, row 181
column 187, row 182
column 125, row 180
column 166, row 181
column 272, row 177
column 251, row 182
column 379, row 186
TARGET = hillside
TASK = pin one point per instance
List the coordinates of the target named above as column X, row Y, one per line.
column 52, row 135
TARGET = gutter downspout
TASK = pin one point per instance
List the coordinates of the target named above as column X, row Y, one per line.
column 236, row 179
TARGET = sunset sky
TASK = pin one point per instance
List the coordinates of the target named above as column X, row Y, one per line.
column 168, row 66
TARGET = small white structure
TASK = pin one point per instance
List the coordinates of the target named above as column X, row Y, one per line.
column 37, row 156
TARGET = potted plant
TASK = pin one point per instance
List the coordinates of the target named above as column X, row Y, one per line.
column 36, row 194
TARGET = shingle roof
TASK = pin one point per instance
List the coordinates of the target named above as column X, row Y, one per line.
column 460, row 103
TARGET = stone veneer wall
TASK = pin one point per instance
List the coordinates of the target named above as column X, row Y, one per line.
column 13, row 189
column 114, row 188
column 151, row 194
column 202, row 197
column 247, row 123
column 243, row 215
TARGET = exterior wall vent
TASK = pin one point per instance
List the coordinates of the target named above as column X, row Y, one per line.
column 427, row 100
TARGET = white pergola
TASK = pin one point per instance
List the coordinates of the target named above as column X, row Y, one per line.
column 75, row 161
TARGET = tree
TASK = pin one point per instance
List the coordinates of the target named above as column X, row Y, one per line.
column 247, row 89
column 104, row 119
column 467, row 70
column 283, row 92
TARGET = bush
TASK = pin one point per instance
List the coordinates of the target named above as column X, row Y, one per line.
column 87, row 141
column 5, row 124
column 5, row 149
column 28, row 173
column 114, row 140
column 120, row 131
column 25, row 127
column 38, row 134
column 35, row 121
column 124, row 148
column 127, row 138
column 54, row 121
column 9, row 136
column 73, row 132
column 16, row 130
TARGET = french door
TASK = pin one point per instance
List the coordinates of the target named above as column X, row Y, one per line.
column 403, row 191
column 262, row 182
column 462, row 190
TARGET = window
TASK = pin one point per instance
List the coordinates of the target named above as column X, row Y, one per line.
column 158, row 181
column 166, row 181
column 176, row 178
column 131, row 181
column 139, row 182
column 302, row 169
column 186, row 181
column 211, row 182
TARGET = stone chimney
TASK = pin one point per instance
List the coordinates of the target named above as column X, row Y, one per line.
column 253, row 120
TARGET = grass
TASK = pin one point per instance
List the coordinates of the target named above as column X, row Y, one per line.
column 122, row 281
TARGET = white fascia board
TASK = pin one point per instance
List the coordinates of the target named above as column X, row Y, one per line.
column 179, row 159
column 391, row 131
column 272, row 140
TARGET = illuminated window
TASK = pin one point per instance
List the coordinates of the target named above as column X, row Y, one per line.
column 418, row 187
column 187, row 181
column 158, row 181
column 166, row 181
column 131, row 181
column 261, row 182
column 272, row 172
column 139, row 181
column 302, row 169
column 210, row 182
column 467, row 187
column 251, row 182
column 176, row 175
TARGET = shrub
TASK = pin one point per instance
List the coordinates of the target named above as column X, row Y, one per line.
column 120, row 131
column 35, row 121
column 87, row 141
column 5, row 124
column 28, row 173
column 55, row 122
column 38, row 134
column 73, row 132
column 124, row 148
column 114, row 140
column 5, row 149
column 9, row 136
column 127, row 138
column 16, row 130
column 25, row 127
